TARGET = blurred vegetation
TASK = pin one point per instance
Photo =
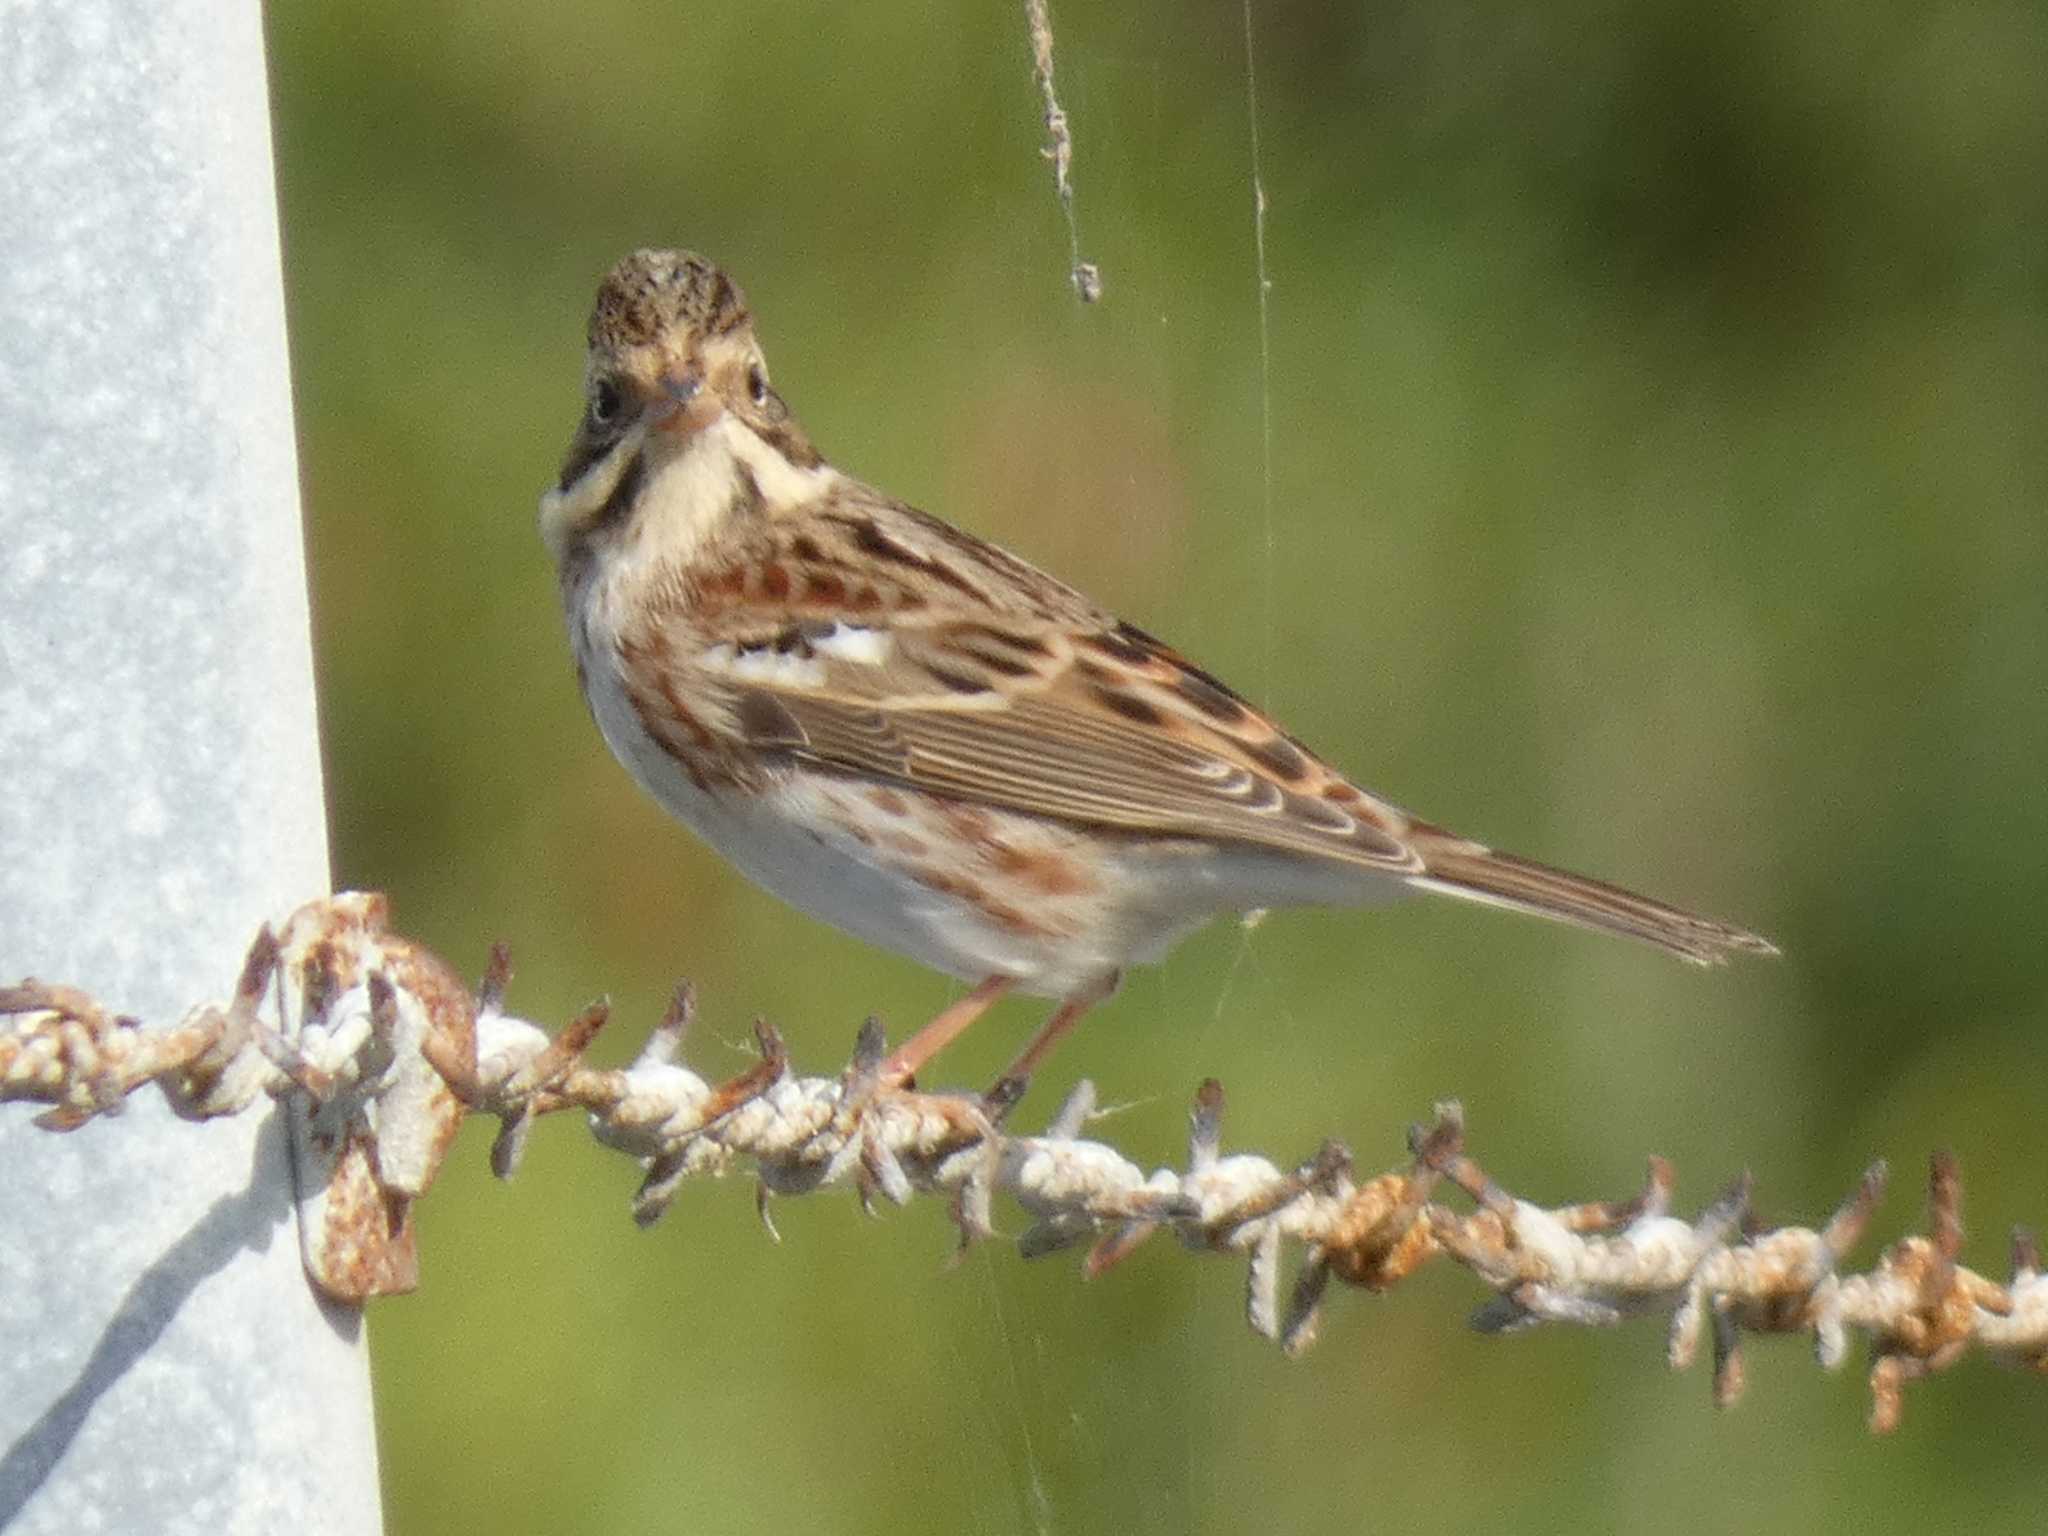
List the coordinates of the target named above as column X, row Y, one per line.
column 1658, row 487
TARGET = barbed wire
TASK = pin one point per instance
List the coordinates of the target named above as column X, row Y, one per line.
column 378, row 1050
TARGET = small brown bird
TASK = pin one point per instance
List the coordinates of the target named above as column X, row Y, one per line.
column 918, row 737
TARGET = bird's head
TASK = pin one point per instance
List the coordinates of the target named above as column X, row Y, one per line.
column 672, row 356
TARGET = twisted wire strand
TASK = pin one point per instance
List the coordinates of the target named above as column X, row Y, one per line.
column 381, row 1051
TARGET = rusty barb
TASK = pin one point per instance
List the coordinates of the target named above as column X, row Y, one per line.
column 378, row 1051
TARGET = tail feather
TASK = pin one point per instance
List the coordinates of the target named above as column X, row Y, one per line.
column 1477, row 873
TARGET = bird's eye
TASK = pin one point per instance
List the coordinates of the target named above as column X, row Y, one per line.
column 757, row 384
column 604, row 403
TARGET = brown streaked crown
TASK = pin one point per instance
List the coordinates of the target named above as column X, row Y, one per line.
column 654, row 310
column 652, row 293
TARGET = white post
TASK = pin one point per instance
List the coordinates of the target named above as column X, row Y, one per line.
column 164, row 1365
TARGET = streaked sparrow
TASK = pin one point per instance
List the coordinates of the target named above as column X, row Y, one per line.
column 918, row 737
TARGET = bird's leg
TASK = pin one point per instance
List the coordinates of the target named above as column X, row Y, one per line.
column 1010, row 1087
column 947, row 1025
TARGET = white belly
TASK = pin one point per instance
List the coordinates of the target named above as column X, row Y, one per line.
column 791, row 840
column 816, row 842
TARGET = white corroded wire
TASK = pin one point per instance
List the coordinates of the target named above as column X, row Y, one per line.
column 381, row 1051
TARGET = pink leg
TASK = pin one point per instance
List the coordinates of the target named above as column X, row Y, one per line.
column 1056, row 1029
column 1010, row 1086
column 947, row 1025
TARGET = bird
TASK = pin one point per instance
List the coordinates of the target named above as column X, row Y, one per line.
column 906, row 731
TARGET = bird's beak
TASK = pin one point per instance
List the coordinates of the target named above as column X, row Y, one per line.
column 685, row 407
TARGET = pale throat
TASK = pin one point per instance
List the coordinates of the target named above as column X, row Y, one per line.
column 688, row 496
column 681, row 504
column 691, row 495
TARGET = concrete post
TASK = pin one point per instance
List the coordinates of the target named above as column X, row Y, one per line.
column 164, row 1366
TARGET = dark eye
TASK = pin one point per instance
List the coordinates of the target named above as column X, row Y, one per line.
column 757, row 384
column 604, row 402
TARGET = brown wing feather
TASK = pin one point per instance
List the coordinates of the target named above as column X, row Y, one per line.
column 1477, row 873
column 998, row 685
column 1001, row 686
column 1049, row 758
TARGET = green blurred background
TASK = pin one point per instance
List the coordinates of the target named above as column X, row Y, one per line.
column 1657, row 486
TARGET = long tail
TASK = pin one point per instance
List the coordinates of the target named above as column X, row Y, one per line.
column 1477, row 873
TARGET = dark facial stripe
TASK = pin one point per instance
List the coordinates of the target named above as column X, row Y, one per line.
column 787, row 439
column 585, row 449
column 619, row 505
column 747, row 499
